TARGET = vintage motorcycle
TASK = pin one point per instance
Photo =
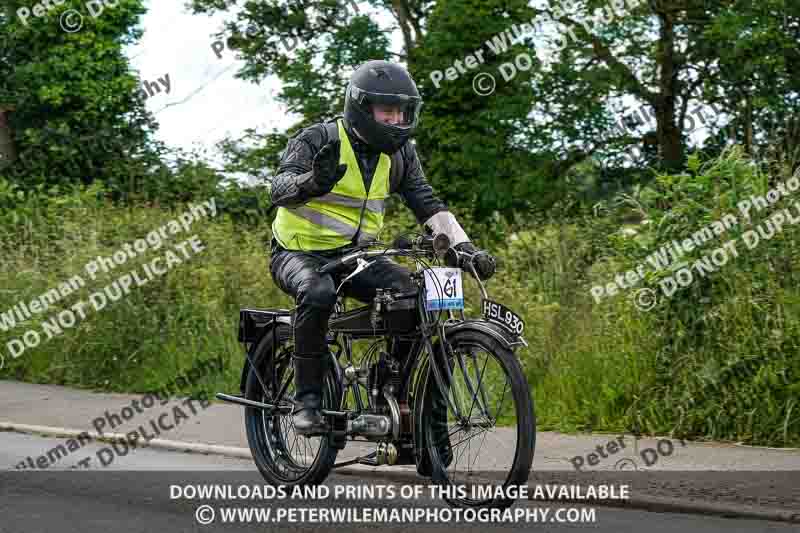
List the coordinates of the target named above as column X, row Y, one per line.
column 483, row 394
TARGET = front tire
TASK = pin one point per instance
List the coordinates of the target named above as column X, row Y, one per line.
column 462, row 455
column 282, row 456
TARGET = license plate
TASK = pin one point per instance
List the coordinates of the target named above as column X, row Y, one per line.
column 444, row 289
column 505, row 316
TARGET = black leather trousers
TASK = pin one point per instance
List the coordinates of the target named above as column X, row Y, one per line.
column 296, row 274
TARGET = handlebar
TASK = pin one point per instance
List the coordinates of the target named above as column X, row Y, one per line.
column 433, row 245
column 438, row 245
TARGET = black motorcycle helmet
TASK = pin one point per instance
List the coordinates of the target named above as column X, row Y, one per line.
column 382, row 83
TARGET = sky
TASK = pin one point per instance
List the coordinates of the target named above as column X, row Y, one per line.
column 205, row 102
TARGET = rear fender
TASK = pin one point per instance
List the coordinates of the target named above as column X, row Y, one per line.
column 255, row 325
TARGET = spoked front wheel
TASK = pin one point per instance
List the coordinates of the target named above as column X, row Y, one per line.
column 484, row 436
column 282, row 456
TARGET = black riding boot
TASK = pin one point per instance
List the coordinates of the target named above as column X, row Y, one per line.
column 309, row 371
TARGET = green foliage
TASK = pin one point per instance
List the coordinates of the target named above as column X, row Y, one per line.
column 78, row 113
column 514, row 151
column 247, row 206
column 161, row 328
column 471, row 156
column 667, row 56
column 728, row 362
column 718, row 359
column 520, row 168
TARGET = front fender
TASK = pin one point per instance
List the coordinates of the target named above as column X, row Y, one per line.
column 502, row 335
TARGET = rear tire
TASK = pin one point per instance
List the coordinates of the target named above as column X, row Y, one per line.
column 469, row 436
column 282, row 456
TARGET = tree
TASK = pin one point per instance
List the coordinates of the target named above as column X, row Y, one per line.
column 665, row 54
column 549, row 114
column 757, row 75
column 467, row 143
column 79, row 114
column 8, row 152
column 473, row 152
column 311, row 46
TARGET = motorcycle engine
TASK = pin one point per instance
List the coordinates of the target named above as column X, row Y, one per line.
column 383, row 372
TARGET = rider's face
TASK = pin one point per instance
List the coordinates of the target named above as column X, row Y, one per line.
column 387, row 114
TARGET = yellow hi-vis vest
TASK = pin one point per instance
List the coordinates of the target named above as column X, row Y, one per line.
column 332, row 220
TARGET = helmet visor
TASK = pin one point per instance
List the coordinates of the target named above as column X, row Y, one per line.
column 401, row 110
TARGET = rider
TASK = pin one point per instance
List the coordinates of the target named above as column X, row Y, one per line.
column 330, row 190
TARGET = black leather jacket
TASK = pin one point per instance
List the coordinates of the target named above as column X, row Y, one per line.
column 292, row 186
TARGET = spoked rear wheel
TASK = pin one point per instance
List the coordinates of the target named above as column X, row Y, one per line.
column 282, row 456
column 487, row 437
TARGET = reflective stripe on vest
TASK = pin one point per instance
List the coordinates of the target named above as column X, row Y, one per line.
column 342, row 228
column 332, row 220
column 376, row 206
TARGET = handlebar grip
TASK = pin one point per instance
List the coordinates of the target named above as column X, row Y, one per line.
column 438, row 244
column 403, row 243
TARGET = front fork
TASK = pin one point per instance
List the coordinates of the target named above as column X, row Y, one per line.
column 427, row 329
column 442, row 373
